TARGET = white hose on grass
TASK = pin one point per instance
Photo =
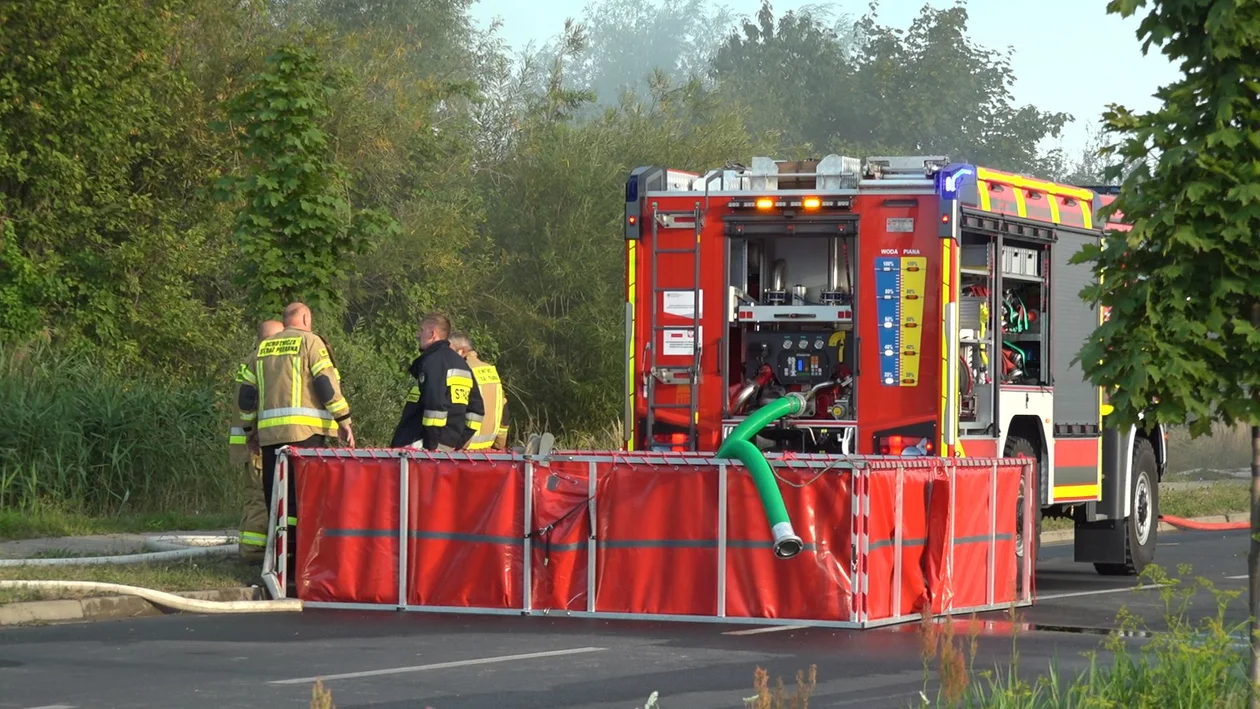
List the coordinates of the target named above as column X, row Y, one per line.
column 170, row 555
column 168, row 542
column 161, row 598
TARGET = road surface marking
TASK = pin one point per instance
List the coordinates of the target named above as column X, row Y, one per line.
column 1095, row 593
column 55, row 706
column 441, row 665
column 1235, row 578
column 912, row 693
column 769, row 629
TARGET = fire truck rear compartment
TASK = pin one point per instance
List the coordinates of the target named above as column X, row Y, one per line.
column 791, row 323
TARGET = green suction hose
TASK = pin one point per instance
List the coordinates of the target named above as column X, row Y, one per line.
column 738, row 446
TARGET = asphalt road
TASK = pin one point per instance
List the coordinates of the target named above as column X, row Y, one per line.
column 1075, row 596
column 394, row 661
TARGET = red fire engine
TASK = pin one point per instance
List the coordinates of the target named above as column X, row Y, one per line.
column 924, row 307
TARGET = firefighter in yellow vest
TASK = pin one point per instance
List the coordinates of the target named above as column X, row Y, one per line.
column 253, row 528
column 295, row 399
column 490, row 430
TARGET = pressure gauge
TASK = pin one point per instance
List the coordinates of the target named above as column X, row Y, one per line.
column 818, row 344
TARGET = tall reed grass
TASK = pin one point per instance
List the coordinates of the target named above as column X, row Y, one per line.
column 1225, row 449
column 81, row 438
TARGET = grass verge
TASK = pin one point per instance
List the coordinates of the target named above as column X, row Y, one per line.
column 1210, row 499
column 50, row 523
column 204, row 574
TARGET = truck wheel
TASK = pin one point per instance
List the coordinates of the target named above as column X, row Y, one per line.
column 1023, row 448
column 1143, row 522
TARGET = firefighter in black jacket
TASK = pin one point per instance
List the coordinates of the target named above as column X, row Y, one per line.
column 434, row 417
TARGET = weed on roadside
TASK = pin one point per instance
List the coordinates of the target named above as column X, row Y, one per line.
column 799, row 699
column 1187, row 663
column 321, row 698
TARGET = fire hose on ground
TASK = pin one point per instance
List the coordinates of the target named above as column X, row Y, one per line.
column 738, row 446
column 1194, row 525
column 166, row 551
column 162, row 598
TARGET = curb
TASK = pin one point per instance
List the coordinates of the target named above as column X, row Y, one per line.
column 109, row 607
column 1067, row 535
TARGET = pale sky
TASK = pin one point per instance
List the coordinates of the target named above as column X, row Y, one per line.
column 1070, row 55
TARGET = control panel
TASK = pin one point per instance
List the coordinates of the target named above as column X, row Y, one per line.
column 797, row 357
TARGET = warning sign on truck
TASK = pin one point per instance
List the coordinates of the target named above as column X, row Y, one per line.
column 679, row 342
column 682, row 303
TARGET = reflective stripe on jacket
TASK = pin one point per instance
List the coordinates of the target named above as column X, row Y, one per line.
column 296, row 391
column 486, row 427
column 438, row 405
column 238, row 453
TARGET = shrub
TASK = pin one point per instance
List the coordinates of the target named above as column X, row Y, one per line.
column 84, row 438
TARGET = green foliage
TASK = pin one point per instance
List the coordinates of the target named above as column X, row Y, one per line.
column 950, row 95
column 627, row 41
column 835, row 90
column 1186, row 664
column 1181, row 342
column 297, row 232
column 99, row 241
column 81, row 439
column 795, row 76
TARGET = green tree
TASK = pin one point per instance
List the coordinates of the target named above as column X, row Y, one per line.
column 872, row 88
column 794, row 76
column 1182, row 341
column 297, row 232
column 556, row 221
column 100, row 220
column 628, row 41
column 932, row 89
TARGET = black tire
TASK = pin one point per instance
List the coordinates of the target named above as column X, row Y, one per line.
column 1023, row 448
column 1142, row 525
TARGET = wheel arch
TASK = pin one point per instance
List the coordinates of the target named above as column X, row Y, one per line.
column 1155, row 434
column 1030, row 427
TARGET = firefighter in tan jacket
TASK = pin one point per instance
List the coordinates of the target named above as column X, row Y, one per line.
column 295, row 399
column 490, row 430
column 253, row 527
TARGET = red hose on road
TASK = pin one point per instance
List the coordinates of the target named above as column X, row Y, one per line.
column 1183, row 523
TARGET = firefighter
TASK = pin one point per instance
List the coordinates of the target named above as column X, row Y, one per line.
column 295, row 399
column 492, row 430
column 435, row 415
column 253, row 528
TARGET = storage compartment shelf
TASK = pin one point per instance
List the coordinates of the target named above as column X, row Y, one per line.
column 1022, row 277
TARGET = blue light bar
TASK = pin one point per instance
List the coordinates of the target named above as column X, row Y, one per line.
column 951, row 178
